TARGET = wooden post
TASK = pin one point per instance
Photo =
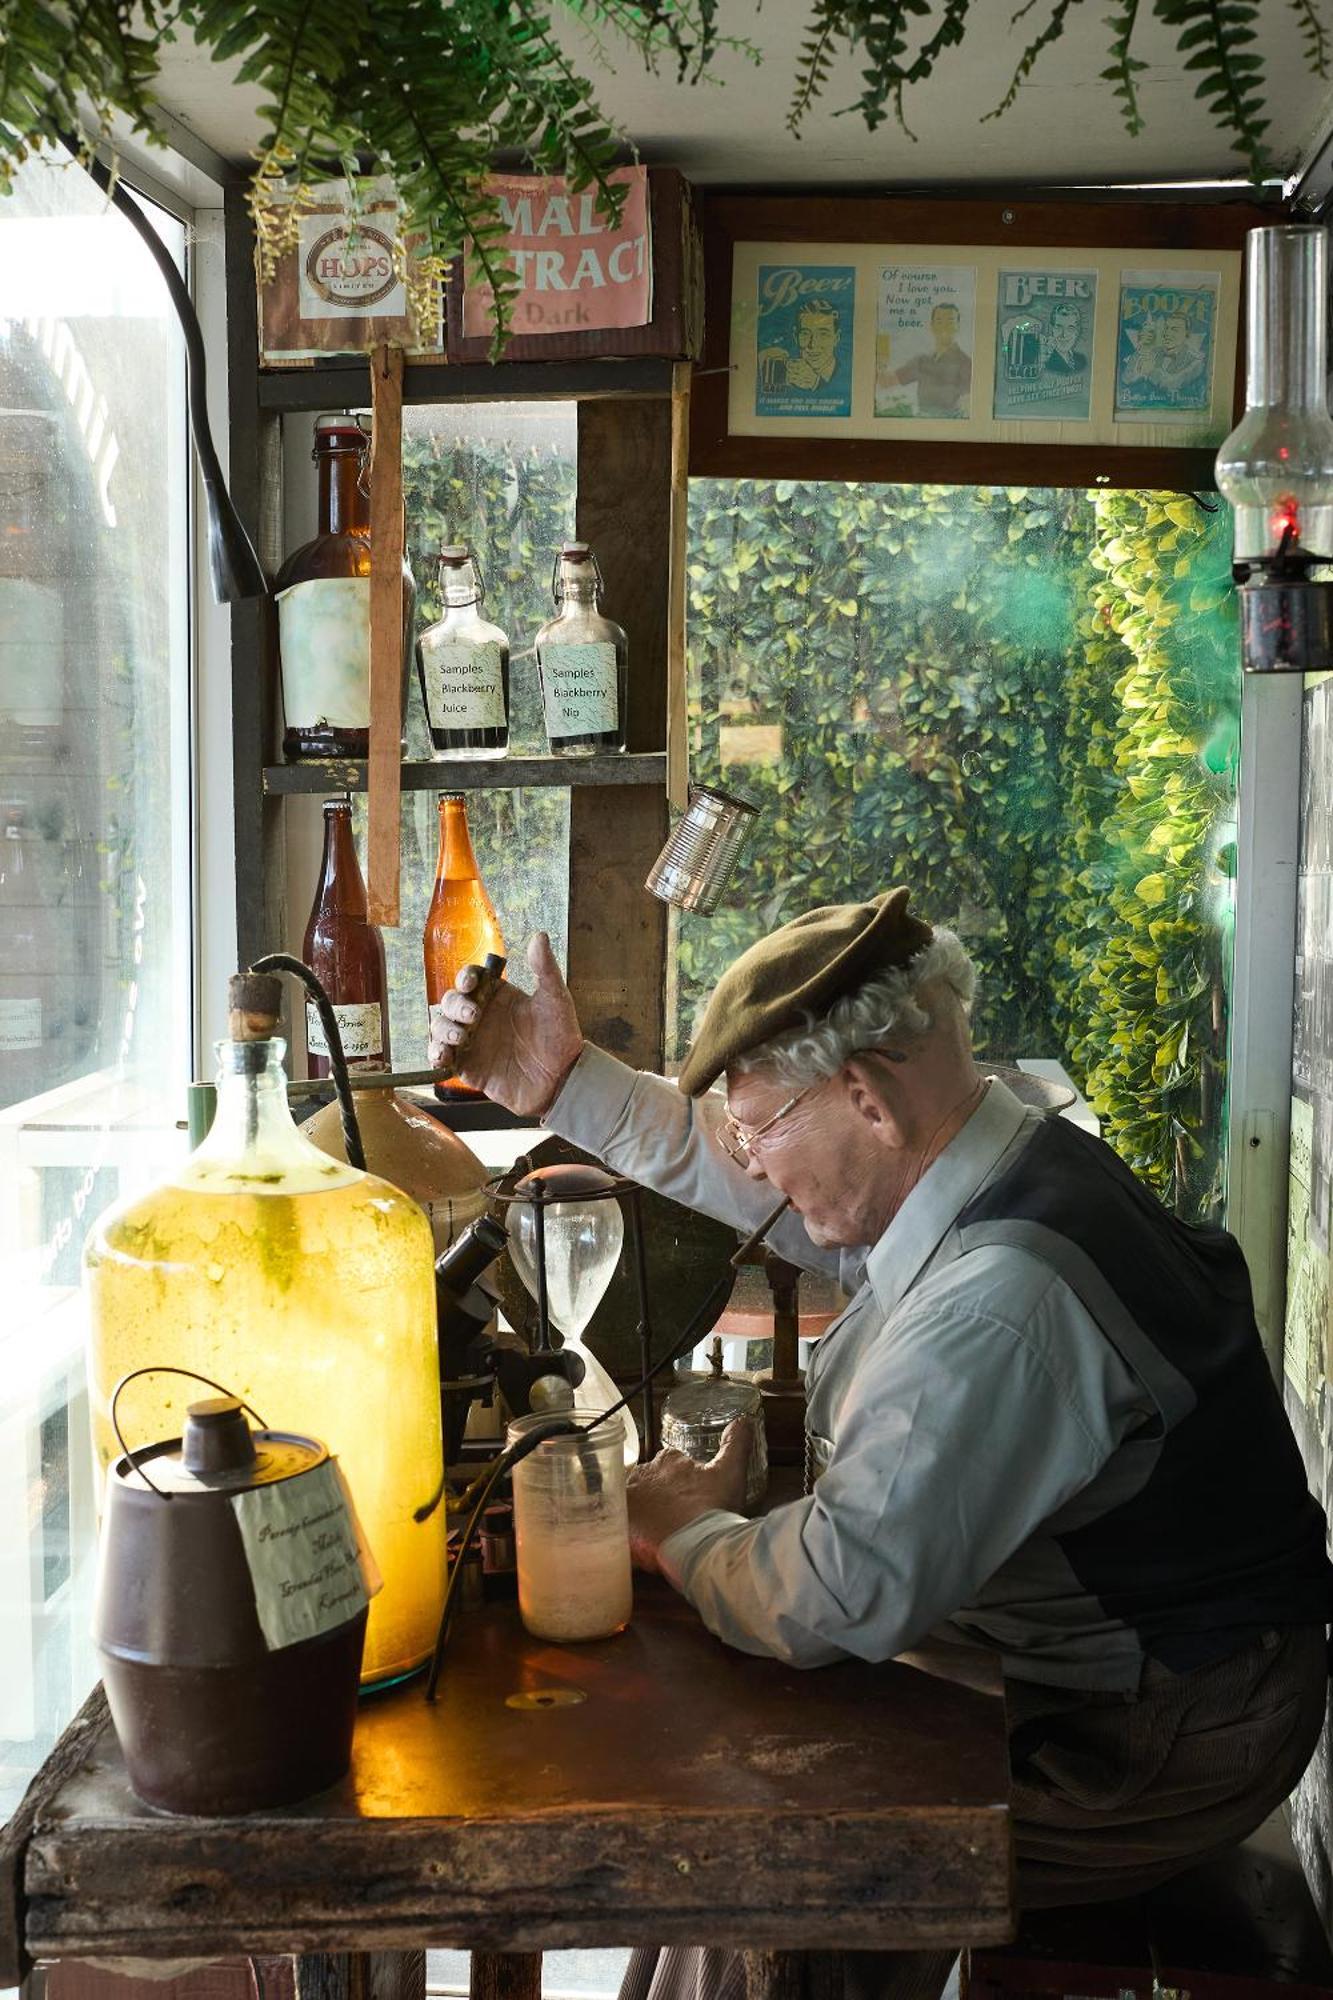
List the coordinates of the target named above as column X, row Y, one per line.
column 617, row 931
column 384, row 775
column 677, row 691
column 506, row 1975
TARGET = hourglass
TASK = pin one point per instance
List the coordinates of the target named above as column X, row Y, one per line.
column 566, row 1233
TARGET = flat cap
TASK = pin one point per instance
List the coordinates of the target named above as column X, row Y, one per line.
column 796, row 975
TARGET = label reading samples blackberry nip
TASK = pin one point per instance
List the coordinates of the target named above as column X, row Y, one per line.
column 579, row 689
column 359, row 1024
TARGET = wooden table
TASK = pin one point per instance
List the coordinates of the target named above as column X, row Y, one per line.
column 652, row 1788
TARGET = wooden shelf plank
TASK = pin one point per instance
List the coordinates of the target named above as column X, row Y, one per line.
column 473, row 775
column 345, row 384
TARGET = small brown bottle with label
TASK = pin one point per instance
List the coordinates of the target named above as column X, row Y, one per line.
column 346, row 954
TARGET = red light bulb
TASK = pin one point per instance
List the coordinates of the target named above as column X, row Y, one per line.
column 1285, row 520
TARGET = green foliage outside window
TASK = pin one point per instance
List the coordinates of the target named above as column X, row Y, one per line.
column 1021, row 702
column 1142, row 952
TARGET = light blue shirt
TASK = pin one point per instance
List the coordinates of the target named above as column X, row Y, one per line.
column 968, row 1397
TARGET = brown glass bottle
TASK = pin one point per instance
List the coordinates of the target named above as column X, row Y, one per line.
column 461, row 925
column 346, row 954
column 323, row 598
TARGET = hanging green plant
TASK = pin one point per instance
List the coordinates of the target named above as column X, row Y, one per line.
column 1219, row 42
column 428, row 92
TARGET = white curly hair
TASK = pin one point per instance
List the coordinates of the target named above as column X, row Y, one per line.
column 887, row 1009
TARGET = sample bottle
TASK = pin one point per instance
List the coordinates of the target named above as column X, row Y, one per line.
column 571, row 1526
column 301, row 1285
column 461, row 925
column 463, row 666
column 582, row 661
column 323, row 599
column 346, row 954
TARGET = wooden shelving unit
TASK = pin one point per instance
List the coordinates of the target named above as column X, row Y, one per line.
column 472, row 774
column 343, row 384
column 630, row 482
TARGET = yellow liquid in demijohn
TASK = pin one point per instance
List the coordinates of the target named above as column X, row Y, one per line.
column 309, row 1294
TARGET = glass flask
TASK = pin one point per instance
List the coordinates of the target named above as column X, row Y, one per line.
column 308, row 1288
column 583, row 1241
column 571, row 1527
column 463, row 666
column 582, row 661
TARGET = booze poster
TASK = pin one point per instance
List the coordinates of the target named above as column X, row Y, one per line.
column 1164, row 345
column 575, row 272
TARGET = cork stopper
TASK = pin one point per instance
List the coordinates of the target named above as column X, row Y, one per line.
column 254, row 1006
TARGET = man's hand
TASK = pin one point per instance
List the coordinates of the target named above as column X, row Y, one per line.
column 673, row 1490
column 525, row 1044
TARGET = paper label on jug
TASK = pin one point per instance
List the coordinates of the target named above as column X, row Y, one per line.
column 324, row 645
column 308, row 1562
column 361, row 1025
column 579, row 689
column 20, row 1024
column 464, row 684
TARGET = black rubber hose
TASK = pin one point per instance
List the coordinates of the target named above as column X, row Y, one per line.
column 235, row 568
column 282, row 961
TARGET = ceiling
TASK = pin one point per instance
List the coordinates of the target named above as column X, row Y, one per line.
column 1063, row 130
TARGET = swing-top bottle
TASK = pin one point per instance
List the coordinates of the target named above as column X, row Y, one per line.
column 582, row 661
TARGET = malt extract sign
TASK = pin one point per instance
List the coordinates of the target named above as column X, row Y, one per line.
column 575, row 271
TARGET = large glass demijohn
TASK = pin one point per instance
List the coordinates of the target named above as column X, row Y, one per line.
column 304, row 1286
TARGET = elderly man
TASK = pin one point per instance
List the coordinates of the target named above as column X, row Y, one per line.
column 1044, row 1424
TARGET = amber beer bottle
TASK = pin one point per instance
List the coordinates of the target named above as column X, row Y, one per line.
column 346, row 953
column 323, row 599
column 461, row 925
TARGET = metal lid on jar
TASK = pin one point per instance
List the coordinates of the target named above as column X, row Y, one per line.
column 713, row 1403
column 218, row 1452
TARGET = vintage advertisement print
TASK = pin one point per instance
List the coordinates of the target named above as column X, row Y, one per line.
column 1044, row 345
column 575, row 273
column 803, row 340
column 925, row 340
column 1164, row 344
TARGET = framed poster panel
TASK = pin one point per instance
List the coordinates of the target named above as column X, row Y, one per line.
column 1049, row 343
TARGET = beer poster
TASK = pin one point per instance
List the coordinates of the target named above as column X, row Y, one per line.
column 1164, row 344
column 803, row 340
column 925, row 337
column 1044, row 342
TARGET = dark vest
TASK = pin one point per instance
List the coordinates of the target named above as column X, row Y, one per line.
column 1213, row 1533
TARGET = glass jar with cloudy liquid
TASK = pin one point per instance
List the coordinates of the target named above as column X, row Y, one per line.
column 571, row 1527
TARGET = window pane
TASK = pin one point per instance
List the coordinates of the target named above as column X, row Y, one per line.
column 1022, row 703
column 95, row 1027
